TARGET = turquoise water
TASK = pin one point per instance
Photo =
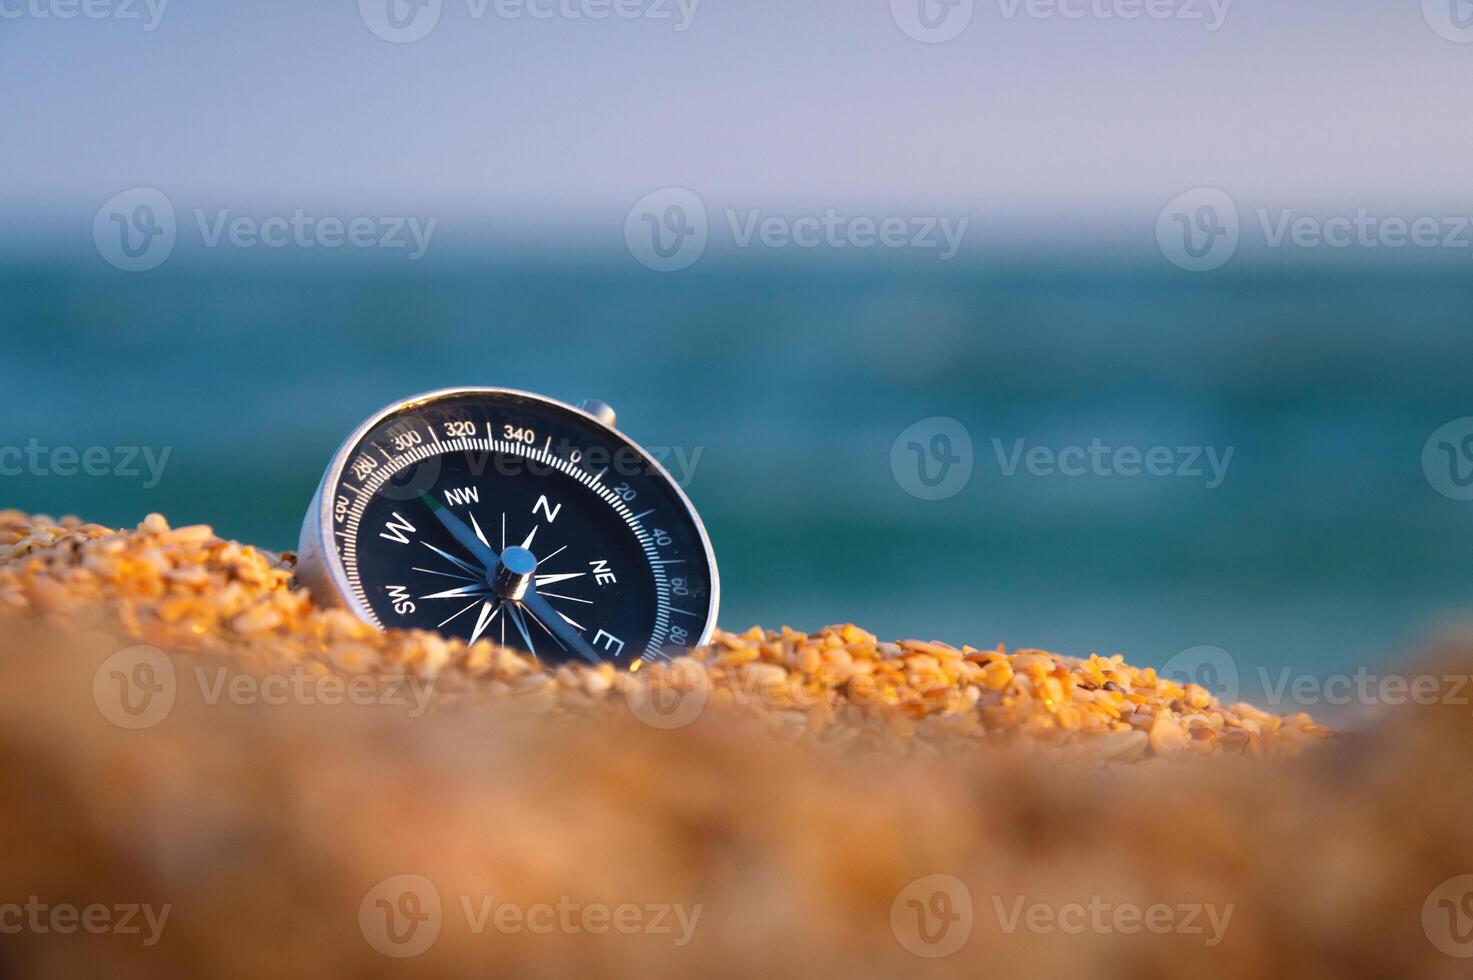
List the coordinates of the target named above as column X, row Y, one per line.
column 1324, row 547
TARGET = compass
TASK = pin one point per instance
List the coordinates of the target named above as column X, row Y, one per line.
column 487, row 513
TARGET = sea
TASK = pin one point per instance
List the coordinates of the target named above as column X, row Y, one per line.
column 1131, row 458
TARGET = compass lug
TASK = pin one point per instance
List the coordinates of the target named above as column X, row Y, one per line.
column 601, row 411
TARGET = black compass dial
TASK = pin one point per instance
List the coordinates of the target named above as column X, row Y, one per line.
column 514, row 518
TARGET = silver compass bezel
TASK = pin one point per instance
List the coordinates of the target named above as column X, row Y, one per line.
column 320, row 565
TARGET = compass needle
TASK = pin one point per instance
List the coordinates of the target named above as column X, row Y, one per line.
column 452, row 559
column 546, row 630
column 461, row 533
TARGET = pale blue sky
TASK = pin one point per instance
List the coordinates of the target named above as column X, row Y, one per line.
column 556, row 126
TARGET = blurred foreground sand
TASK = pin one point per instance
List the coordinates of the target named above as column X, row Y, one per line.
column 277, row 835
column 265, row 827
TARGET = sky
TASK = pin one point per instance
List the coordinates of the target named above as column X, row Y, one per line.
column 1037, row 124
column 1044, row 126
